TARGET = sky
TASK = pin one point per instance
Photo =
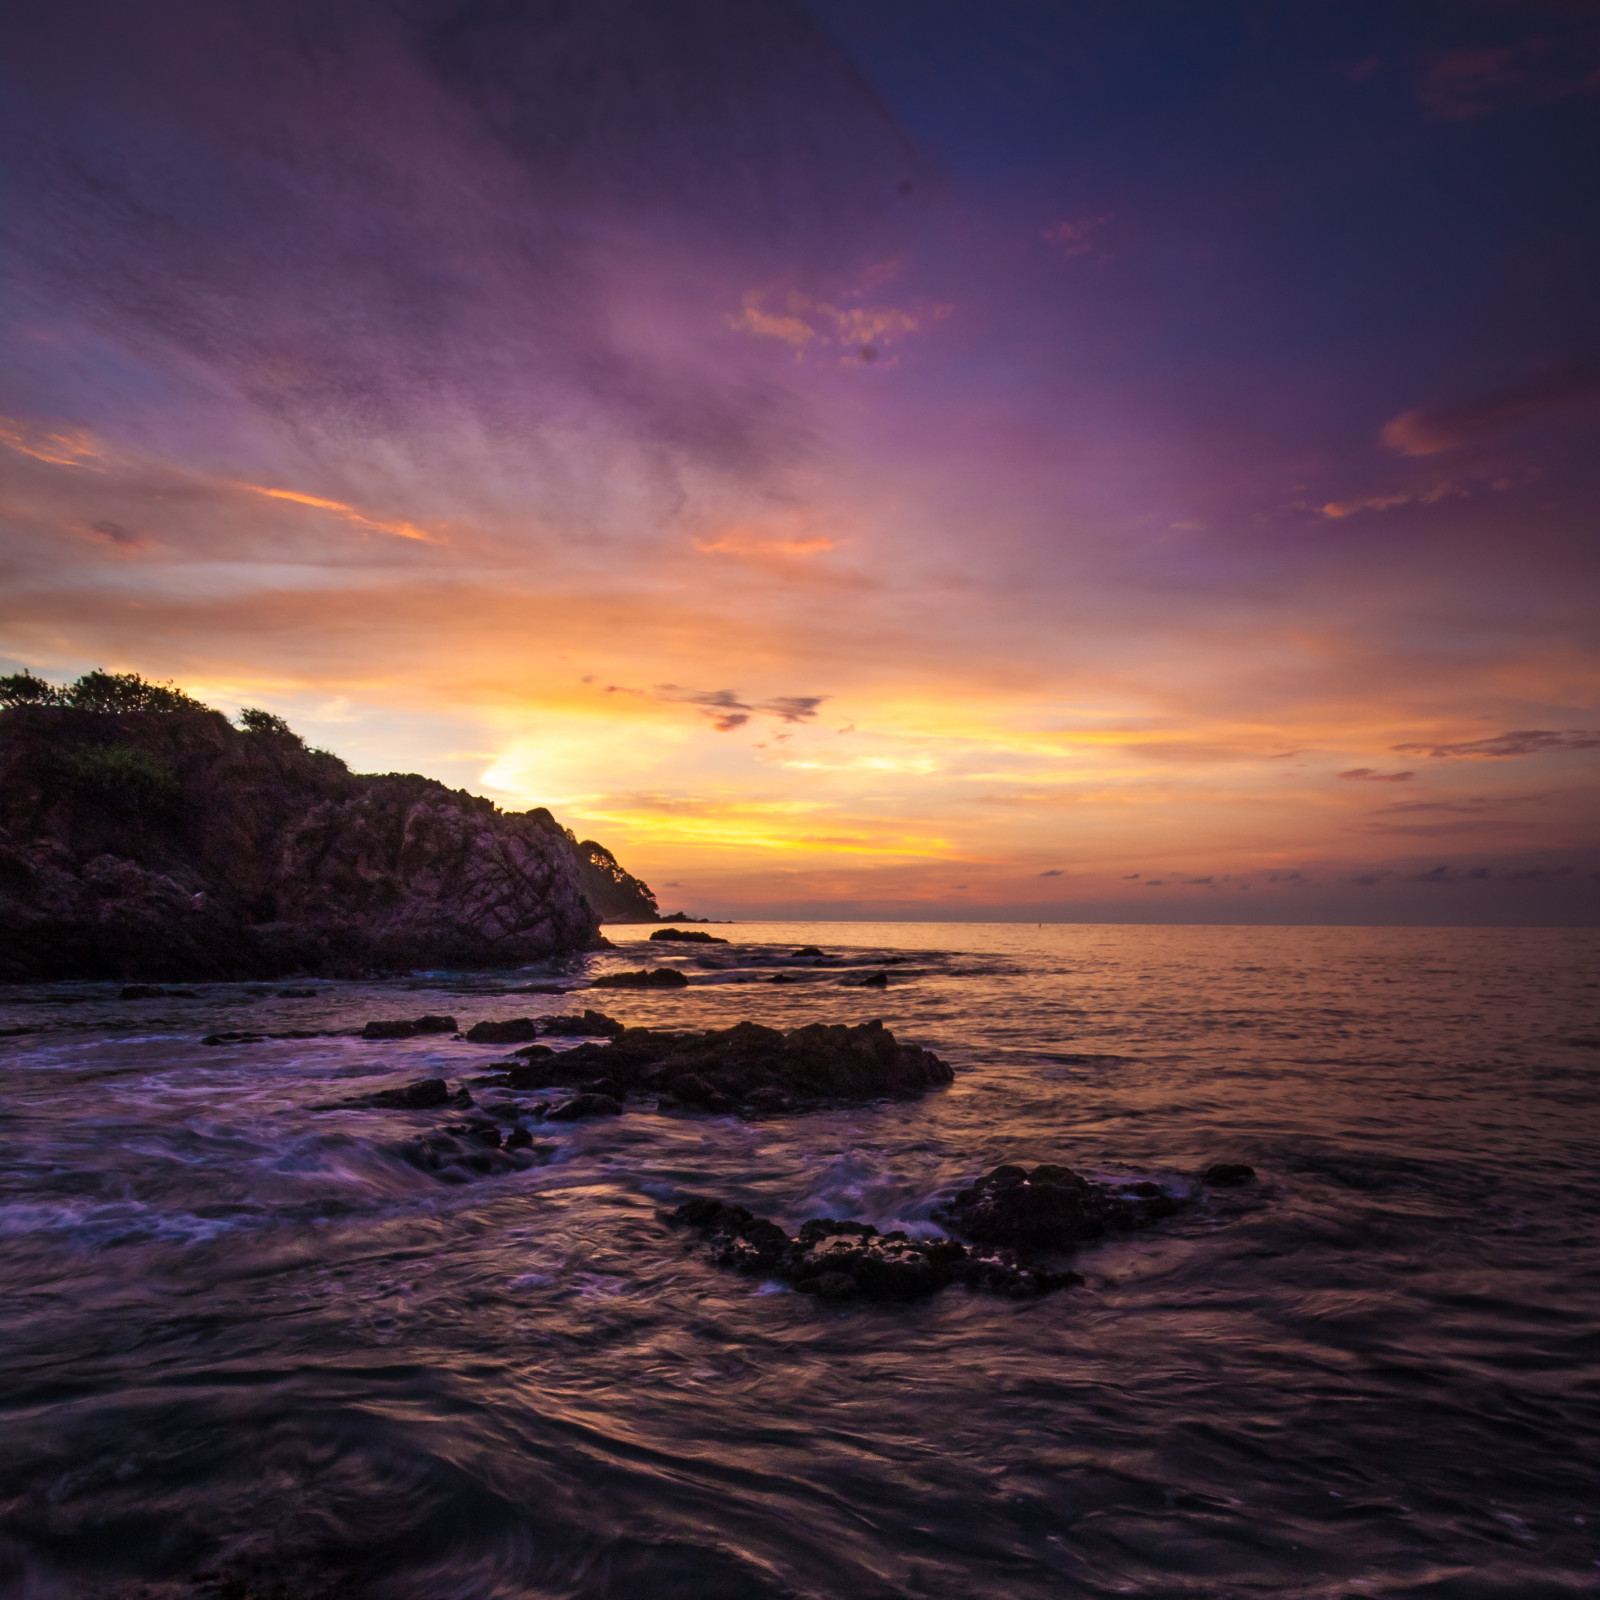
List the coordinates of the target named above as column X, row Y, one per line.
column 1127, row 461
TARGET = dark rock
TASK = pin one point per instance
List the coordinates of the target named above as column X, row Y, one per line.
column 433, row 1024
column 609, row 1087
column 1228, row 1175
column 1050, row 1208
column 643, row 978
column 519, row 1139
column 142, row 991
column 296, row 994
column 455, row 1160
column 480, row 1130
column 585, row 1105
column 783, row 977
column 808, row 951
column 427, row 1095
column 389, row 1030
column 873, row 980
column 589, row 1025
column 839, row 1260
column 684, row 936
column 514, row 1031
column 154, row 845
column 729, row 1067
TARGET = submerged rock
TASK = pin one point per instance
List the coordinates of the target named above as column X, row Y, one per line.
column 585, row 1105
column 840, row 1260
column 1050, row 1207
column 1228, row 1175
column 754, row 1069
column 643, row 978
column 684, row 936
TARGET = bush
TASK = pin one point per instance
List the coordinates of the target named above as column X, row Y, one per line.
column 124, row 776
column 97, row 691
column 127, row 691
column 254, row 720
column 23, row 689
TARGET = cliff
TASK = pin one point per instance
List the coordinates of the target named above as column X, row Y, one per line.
column 169, row 844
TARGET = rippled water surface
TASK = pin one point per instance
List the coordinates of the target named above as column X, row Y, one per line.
column 251, row 1352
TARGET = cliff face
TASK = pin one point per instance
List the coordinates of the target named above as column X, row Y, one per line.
column 170, row 844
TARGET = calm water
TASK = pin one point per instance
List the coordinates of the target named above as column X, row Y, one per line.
column 250, row 1352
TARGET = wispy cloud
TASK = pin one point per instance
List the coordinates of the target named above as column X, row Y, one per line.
column 1368, row 775
column 400, row 530
column 1432, row 430
column 1522, row 742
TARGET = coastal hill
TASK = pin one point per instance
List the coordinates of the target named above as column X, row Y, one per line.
column 144, row 836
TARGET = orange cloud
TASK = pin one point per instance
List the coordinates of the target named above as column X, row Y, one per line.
column 76, row 448
column 400, row 530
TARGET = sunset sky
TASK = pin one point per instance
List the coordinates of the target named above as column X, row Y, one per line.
column 925, row 458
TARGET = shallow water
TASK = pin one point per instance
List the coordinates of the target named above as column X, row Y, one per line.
column 251, row 1352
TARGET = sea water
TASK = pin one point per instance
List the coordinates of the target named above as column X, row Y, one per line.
column 250, row 1352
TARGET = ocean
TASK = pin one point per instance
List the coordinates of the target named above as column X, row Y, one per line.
column 251, row 1353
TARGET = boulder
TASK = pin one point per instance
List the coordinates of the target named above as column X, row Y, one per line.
column 584, row 1105
column 643, row 978
column 755, row 1069
column 684, row 936
column 589, row 1025
column 427, row 1095
column 1050, row 1208
column 839, row 1259
column 389, row 1030
column 516, row 1030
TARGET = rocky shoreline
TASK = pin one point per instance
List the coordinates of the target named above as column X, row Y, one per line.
column 145, row 837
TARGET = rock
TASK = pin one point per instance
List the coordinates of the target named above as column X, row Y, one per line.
column 1050, row 1208
column 515, row 1031
column 142, row 991
column 433, row 1024
column 427, row 1095
column 456, row 1160
column 585, row 1105
column 808, row 952
column 590, row 1025
column 389, row 1030
column 643, row 978
column 1228, row 1175
column 839, row 1260
column 783, row 977
column 873, row 980
column 806, row 1066
column 221, row 853
column 296, row 994
column 519, row 1139
column 684, row 936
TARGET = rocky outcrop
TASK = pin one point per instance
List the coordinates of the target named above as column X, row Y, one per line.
column 841, row 1260
column 1012, row 1226
column 747, row 1068
column 157, row 844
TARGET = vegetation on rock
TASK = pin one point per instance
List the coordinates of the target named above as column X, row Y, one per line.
column 144, row 836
